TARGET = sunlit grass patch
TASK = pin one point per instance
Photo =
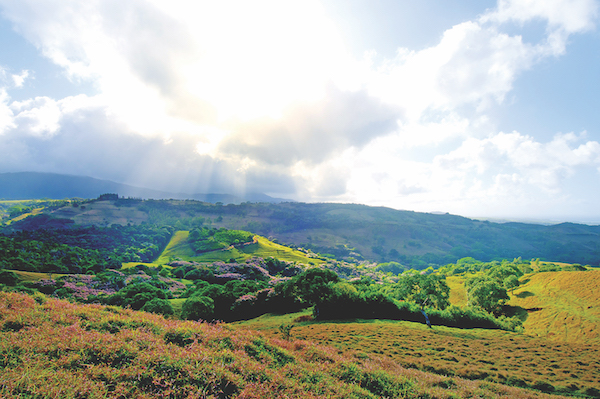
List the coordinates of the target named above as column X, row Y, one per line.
column 127, row 265
column 458, row 292
column 562, row 306
column 179, row 248
column 35, row 276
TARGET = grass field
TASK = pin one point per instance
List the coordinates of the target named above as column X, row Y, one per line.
column 562, row 306
column 493, row 355
column 57, row 349
column 179, row 248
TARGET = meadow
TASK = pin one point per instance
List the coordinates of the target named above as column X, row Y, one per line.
column 478, row 354
column 52, row 348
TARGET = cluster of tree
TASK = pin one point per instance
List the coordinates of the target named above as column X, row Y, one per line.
column 332, row 298
column 81, row 249
column 210, row 239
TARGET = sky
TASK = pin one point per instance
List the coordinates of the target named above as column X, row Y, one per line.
column 477, row 108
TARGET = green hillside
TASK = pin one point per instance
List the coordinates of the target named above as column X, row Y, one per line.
column 358, row 232
column 181, row 248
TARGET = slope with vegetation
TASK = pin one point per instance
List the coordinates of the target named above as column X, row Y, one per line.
column 358, row 232
column 51, row 348
column 509, row 358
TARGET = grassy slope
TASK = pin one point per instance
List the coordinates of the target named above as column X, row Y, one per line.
column 59, row 349
column 563, row 306
column 34, row 276
column 475, row 353
column 179, row 248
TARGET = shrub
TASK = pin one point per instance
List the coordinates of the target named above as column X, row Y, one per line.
column 198, row 307
column 8, row 278
column 158, row 305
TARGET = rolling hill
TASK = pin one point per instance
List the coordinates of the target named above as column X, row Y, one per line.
column 359, row 232
column 560, row 306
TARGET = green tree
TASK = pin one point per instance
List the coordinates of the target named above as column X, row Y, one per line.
column 8, row 278
column 314, row 286
column 198, row 308
column 159, row 306
column 487, row 293
column 511, row 282
column 424, row 290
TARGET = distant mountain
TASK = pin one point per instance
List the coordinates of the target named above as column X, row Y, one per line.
column 33, row 185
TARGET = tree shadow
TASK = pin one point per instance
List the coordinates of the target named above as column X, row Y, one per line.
column 524, row 294
column 511, row 311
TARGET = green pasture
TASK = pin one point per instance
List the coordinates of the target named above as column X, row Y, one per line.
column 179, row 248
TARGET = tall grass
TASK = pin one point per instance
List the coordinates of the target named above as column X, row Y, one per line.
column 55, row 349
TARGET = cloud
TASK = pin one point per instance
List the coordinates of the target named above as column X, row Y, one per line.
column 570, row 16
column 313, row 132
column 542, row 165
column 263, row 96
column 19, row 79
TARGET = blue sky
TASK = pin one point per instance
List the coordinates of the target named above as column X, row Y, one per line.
column 477, row 108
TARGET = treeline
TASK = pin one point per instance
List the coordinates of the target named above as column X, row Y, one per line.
column 81, row 249
column 411, row 298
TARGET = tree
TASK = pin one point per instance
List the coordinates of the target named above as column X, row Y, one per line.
column 422, row 289
column 313, row 286
column 511, row 282
column 159, row 306
column 8, row 278
column 197, row 308
column 487, row 293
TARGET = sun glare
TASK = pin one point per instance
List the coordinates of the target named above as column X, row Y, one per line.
column 255, row 59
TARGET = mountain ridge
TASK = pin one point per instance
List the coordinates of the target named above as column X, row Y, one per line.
column 31, row 185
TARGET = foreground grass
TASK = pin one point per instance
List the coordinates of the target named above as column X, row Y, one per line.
column 478, row 354
column 52, row 348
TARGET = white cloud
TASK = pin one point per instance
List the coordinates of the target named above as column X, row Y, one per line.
column 543, row 165
column 39, row 116
column 20, row 78
column 568, row 15
column 260, row 95
column 6, row 114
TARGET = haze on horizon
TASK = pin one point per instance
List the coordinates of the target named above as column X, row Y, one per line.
column 476, row 108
